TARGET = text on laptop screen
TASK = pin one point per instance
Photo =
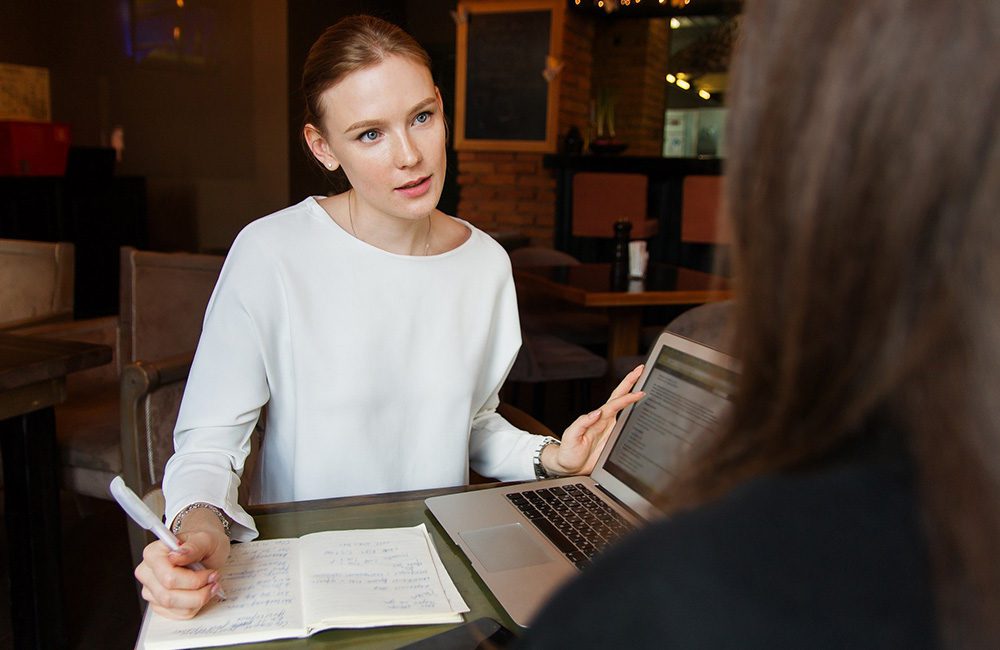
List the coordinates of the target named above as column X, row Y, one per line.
column 685, row 396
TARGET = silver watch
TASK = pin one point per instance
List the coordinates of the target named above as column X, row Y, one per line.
column 536, row 460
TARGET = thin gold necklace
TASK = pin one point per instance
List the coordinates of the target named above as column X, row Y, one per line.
column 350, row 216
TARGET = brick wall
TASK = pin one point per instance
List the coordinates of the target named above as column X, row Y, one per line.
column 631, row 67
column 505, row 191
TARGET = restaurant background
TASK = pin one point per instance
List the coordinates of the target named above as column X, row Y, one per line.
column 205, row 95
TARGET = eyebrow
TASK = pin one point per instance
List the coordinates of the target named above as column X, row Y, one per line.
column 367, row 124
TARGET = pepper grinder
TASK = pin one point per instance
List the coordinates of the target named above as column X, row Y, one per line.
column 619, row 264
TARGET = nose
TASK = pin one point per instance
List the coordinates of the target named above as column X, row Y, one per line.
column 407, row 152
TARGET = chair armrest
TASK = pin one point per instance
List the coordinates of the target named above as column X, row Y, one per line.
column 140, row 381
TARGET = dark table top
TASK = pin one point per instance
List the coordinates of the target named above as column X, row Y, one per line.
column 33, row 370
column 591, row 285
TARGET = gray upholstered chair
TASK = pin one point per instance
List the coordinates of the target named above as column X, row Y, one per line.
column 163, row 302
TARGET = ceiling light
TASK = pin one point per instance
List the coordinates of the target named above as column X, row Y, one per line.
column 704, row 94
column 671, row 78
column 683, row 84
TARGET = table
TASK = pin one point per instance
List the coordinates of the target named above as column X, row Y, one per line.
column 32, row 380
column 590, row 285
column 378, row 511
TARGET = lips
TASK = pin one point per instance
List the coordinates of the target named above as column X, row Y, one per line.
column 413, row 184
column 415, row 188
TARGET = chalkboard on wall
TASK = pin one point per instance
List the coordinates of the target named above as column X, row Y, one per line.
column 503, row 101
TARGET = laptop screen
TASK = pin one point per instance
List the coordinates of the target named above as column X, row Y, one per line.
column 685, row 396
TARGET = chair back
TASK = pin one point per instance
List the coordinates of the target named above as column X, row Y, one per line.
column 601, row 199
column 36, row 282
column 701, row 211
column 163, row 301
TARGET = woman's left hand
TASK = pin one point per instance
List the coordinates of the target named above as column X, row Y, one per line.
column 583, row 441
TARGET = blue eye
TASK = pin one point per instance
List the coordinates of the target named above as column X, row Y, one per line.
column 369, row 136
column 422, row 118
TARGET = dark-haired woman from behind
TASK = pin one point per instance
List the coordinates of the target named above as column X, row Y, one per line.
column 853, row 501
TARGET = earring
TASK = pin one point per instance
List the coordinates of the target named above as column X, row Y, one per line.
column 329, row 166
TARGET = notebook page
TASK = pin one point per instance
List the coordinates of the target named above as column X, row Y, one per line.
column 364, row 578
column 261, row 580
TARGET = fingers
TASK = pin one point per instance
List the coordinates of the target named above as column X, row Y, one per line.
column 614, row 405
column 171, row 589
column 180, row 605
column 627, row 383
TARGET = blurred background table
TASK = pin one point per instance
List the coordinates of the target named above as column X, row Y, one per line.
column 33, row 380
column 591, row 285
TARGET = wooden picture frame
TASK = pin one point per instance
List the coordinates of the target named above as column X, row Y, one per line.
column 503, row 101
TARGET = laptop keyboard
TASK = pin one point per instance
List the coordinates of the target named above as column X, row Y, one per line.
column 573, row 518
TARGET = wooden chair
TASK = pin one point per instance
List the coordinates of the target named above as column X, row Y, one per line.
column 36, row 282
column 706, row 234
column 600, row 199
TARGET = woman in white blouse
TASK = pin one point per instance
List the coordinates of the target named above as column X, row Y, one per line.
column 377, row 330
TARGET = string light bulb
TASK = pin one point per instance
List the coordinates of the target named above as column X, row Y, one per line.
column 704, row 94
column 683, row 84
column 671, row 78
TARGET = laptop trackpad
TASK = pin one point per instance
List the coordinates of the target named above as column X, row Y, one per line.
column 506, row 547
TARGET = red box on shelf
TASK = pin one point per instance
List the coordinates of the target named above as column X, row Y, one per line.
column 33, row 148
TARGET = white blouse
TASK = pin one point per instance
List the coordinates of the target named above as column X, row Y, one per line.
column 380, row 371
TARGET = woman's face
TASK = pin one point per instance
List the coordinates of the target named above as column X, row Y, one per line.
column 385, row 126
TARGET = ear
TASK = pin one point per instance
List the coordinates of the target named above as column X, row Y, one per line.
column 319, row 148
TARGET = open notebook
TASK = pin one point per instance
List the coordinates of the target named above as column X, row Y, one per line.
column 285, row 588
column 525, row 540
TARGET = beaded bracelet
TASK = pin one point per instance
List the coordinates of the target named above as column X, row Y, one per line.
column 176, row 527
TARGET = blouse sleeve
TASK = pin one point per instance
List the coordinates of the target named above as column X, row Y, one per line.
column 496, row 448
column 226, row 389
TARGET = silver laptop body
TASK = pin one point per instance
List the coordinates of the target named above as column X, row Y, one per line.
column 688, row 390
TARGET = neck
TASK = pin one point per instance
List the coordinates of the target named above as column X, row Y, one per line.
column 393, row 235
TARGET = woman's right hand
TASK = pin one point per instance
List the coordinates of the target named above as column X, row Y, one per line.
column 172, row 589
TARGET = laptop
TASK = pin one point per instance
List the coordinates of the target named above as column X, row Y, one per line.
column 525, row 540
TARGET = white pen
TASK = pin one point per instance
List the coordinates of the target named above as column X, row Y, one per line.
column 142, row 515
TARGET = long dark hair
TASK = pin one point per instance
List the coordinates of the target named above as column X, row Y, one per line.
column 863, row 182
